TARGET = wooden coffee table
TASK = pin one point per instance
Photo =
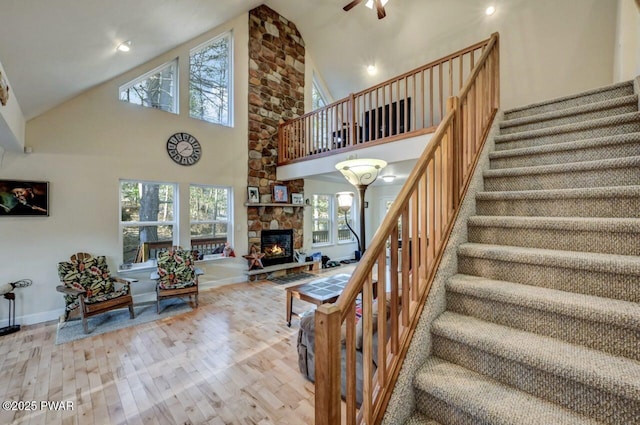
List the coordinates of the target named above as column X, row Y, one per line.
column 318, row 292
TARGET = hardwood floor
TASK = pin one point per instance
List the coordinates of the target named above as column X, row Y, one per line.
column 231, row 361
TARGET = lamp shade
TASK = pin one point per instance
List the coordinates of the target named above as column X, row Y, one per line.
column 361, row 172
column 345, row 201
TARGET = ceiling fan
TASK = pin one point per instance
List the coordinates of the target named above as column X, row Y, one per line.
column 378, row 3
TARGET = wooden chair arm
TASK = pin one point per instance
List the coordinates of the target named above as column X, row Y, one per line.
column 70, row 291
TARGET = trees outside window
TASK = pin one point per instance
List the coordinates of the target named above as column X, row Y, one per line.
column 210, row 74
column 322, row 206
column 147, row 214
column 209, row 211
column 155, row 89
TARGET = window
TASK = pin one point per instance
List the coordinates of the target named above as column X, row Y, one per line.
column 210, row 212
column 344, row 234
column 147, row 219
column 210, row 72
column 318, row 100
column 322, row 217
column 155, row 89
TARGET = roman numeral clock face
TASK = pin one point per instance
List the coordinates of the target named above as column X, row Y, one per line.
column 184, row 149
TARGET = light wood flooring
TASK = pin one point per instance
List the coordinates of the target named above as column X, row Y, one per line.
column 231, row 361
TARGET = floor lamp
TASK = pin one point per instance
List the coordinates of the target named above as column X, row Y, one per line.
column 361, row 173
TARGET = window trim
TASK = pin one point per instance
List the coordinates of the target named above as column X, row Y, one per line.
column 230, row 81
column 330, row 219
column 176, row 85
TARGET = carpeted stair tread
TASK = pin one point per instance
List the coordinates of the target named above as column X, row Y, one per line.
column 611, row 91
column 613, row 201
column 417, row 418
column 593, row 368
column 570, row 167
column 632, row 117
column 575, row 145
column 589, row 192
column 588, row 234
column 572, row 112
column 598, row 309
column 569, row 224
column 488, row 401
column 585, row 261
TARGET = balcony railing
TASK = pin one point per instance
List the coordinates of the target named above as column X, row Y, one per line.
column 411, row 104
column 427, row 207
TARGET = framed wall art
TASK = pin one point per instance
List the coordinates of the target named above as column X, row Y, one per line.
column 253, row 194
column 280, row 194
column 24, row 198
column 297, row 199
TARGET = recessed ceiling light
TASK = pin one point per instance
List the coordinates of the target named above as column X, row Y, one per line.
column 490, row 10
column 125, row 46
column 388, row 179
column 371, row 69
column 369, row 3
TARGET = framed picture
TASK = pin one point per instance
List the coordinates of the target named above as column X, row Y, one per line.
column 24, row 198
column 296, row 199
column 280, row 194
column 253, row 194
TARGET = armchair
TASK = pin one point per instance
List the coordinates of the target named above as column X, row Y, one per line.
column 89, row 287
column 176, row 276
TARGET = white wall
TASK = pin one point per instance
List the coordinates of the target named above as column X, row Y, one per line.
column 85, row 145
column 626, row 65
column 377, row 195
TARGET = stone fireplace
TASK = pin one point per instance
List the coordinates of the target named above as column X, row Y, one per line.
column 277, row 245
column 276, row 94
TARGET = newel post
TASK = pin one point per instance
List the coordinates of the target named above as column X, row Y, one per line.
column 352, row 120
column 453, row 103
column 327, row 357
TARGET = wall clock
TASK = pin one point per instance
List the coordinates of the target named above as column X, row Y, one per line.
column 184, row 149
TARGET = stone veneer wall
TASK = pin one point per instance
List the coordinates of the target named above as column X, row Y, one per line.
column 276, row 94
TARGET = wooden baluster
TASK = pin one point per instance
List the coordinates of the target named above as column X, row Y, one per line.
column 327, row 355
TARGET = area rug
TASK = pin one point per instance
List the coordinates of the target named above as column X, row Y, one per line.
column 72, row 330
column 291, row 277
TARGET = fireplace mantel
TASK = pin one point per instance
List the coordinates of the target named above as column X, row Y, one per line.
column 273, row 204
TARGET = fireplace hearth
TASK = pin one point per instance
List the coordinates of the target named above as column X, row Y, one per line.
column 277, row 246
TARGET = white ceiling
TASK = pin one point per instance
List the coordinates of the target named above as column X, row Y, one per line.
column 54, row 50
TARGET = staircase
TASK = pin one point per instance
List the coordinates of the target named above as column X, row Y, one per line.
column 542, row 321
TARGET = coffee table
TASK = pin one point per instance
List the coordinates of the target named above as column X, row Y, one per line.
column 318, row 292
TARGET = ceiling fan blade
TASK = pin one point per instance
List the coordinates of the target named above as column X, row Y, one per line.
column 351, row 5
column 380, row 9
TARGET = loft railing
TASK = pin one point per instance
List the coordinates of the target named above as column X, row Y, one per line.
column 411, row 104
column 425, row 211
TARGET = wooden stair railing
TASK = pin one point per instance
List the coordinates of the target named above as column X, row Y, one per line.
column 426, row 207
column 408, row 105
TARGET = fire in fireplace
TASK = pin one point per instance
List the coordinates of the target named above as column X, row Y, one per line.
column 277, row 245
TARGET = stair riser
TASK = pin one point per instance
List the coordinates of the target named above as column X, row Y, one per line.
column 574, row 207
column 604, row 177
column 625, row 90
column 587, row 400
column 603, row 241
column 607, row 337
column 578, row 134
column 442, row 412
column 602, row 284
column 579, row 155
column 585, row 116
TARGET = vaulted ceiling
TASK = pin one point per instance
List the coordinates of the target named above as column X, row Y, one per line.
column 54, row 50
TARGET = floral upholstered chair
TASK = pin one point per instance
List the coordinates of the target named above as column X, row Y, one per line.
column 89, row 287
column 176, row 276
